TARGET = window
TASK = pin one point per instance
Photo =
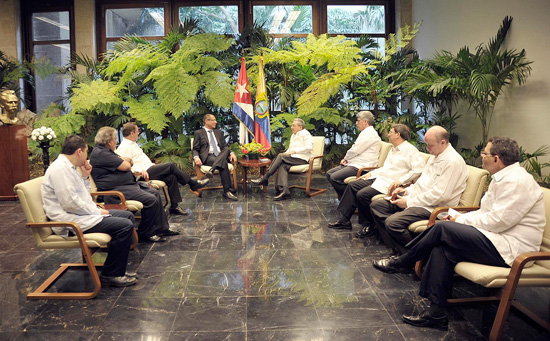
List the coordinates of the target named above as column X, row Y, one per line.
column 148, row 23
column 51, row 39
column 216, row 19
column 356, row 19
column 285, row 20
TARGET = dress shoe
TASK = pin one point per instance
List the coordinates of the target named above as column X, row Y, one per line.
column 120, row 281
column 390, row 265
column 341, row 224
column 282, row 196
column 209, row 174
column 152, row 239
column 260, row 182
column 424, row 319
column 131, row 274
column 177, row 211
column 169, row 232
column 230, row 196
column 199, row 184
column 366, row 231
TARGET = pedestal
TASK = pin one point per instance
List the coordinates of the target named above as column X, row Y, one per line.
column 14, row 160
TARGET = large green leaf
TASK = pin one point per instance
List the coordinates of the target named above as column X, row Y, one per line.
column 148, row 111
column 88, row 96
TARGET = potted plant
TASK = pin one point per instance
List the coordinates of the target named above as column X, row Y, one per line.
column 253, row 150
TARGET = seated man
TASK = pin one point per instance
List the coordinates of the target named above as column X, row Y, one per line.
column 510, row 221
column 402, row 166
column 114, row 172
column 167, row 172
column 66, row 197
column 298, row 153
column 441, row 183
column 363, row 153
column 210, row 149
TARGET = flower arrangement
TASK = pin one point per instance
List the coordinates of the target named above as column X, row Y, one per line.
column 43, row 134
column 254, row 148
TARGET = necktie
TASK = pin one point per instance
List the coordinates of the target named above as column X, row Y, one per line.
column 213, row 143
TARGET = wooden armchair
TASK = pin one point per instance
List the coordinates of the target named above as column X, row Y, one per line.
column 30, row 196
column 314, row 164
column 528, row 270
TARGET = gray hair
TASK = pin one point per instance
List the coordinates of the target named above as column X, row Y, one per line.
column 300, row 122
column 105, row 135
column 506, row 148
column 366, row 116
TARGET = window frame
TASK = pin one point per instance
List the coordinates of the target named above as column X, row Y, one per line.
column 239, row 4
column 30, row 7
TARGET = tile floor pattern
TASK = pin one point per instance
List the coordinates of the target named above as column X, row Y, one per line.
column 249, row 270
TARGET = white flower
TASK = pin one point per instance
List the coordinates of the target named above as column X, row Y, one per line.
column 33, row 137
column 49, row 137
column 40, row 137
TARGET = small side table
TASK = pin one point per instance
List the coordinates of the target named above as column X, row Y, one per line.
column 246, row 163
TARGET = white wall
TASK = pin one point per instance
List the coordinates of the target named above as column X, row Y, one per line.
column 522, row 113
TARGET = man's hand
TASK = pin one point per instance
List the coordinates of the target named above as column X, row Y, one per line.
column 449, row 218
column 396, row 184
column 232, row 157
column 364, row 176
column 400, row 201
column 398, row 190
column 86, row 169
column 104, row 212
column 145, row 175
column 198, row 161
column 344, row 162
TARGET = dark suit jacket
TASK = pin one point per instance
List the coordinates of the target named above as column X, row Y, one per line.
column 201, row 145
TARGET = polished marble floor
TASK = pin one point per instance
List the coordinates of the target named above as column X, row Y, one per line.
column 249, row 270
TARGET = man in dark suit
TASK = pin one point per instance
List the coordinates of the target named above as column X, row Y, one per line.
column 210, row 149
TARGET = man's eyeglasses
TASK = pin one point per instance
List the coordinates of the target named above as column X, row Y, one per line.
column 484, row 153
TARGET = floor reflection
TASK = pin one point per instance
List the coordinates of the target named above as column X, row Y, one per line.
column 248, row 270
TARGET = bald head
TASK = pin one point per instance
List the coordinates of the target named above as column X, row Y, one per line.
column 437, row 140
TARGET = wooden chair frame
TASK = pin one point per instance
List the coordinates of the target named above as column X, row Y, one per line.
column 200, row 175
column 309, row 173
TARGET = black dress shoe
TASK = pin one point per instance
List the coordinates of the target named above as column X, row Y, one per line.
column 152, row 239
column 230, row 196
column 282, row 196
column 341, row 224
column 366, row 231
column 177, row 211
column 199, row 184
column 209, row 174
column 260, row 182
column 169, row 232
column 120, row 281
column 424, row 319
column 390, row 265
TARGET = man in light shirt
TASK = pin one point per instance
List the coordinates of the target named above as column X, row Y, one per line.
column 510, row 221
column 66, row 197
column 402, row 166
column 363, row 153
column 441, row 183
column 298, row 153
column 167, row 171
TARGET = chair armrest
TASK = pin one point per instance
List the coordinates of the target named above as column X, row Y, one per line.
column 312, row 160
column 363, row 169
column 442, row 209
column 114, row 193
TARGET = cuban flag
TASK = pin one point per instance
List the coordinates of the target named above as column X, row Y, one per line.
column 242, row 107
column 262, row 131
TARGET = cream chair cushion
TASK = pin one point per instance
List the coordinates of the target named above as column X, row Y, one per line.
column 385, row 148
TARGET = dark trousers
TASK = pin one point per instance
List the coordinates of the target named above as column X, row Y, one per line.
column 153, row 217
column 392, row 222
column 337, row 175
column 172, row 176
column 443, row 246
column 358, row 194
column 120, row 226
column 282, row 163
column 220, row 163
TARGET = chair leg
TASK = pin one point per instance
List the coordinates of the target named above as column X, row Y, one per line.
column 235, row 184
column 308, row 188
column 166, row 196
column 40, row 292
